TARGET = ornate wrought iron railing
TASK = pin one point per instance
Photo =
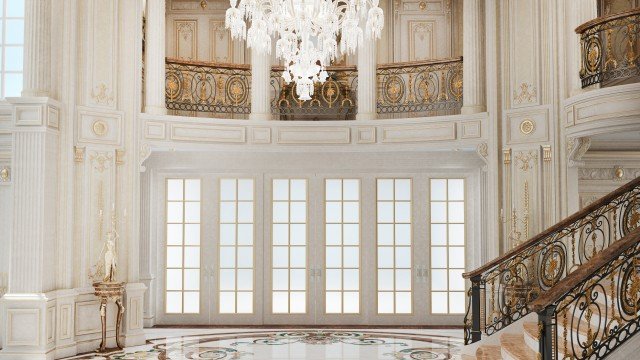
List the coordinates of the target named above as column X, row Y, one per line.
column 424, row 88
column 595, row 309
column 610, row 49
column 502, row 289
column 207, row 87
column 335, row 99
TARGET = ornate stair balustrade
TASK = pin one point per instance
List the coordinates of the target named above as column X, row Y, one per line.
column 610, row 49
column 502, row 289
column 335, row 99
column 424, row 88
column 595, row 309
column 208, row 87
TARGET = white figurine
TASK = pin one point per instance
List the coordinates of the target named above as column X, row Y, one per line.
column 110, row 261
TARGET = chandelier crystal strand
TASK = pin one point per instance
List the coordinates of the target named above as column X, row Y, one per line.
column 307, row 33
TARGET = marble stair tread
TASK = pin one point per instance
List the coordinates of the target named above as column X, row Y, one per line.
column 489, row 352
column 531, row 328
column 515, row 347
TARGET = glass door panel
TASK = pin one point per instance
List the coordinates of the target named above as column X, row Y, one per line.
column 182, row 288
column 237, row 294
column 288, row 280
column 338, row 252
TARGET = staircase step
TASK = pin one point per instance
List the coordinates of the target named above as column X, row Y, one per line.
column 513, row 347
column 488, row 352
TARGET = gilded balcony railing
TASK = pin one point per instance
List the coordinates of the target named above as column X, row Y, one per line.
column 196, row 86
column 335, row 99
column 610, row 49
column 424, row 88
column 502, row 290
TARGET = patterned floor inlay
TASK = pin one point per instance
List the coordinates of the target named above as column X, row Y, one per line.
column 297, row 344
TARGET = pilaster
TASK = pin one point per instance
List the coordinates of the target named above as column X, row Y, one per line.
column 367, row 62
column 154, row 58
column 473, row 66
column 37, row 48
column 134, row 314
column 260, row 94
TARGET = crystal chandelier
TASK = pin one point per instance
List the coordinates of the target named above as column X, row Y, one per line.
column 307, row 33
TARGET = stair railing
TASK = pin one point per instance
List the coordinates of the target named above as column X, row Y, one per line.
column 595, row 309
column 502, row 289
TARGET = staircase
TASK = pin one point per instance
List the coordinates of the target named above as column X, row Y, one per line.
column 571, row 292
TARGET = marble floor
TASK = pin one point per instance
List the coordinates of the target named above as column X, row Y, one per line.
column 314, row 344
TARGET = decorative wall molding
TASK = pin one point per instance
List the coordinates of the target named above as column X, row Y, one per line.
column 526, row 160
column 186, row 39
column 527, row 126
column 612, row 173
column 99, row 126
column 525, row 94
column 612, row 109
column 577, row 147
column 459, row 131
column 221, row 45
column 16, row 318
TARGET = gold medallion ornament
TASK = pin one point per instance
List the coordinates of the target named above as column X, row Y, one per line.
column 4, row 174
column 527, row 126
column 100, row 128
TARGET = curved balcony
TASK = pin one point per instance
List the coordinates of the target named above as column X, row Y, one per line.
column 424, row 88
column 609, row 48
column 404, row 90
column 197, row 86
column 335, row 99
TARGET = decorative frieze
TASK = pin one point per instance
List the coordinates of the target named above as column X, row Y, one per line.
column 614, row 173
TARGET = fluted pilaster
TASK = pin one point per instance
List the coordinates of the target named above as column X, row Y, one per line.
column 367, row 62
column 33, row 242
column 260, row 76
column 474, row 98
column 154, row 67
column 37, row 48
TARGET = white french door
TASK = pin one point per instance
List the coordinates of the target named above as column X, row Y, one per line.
column 312, row 249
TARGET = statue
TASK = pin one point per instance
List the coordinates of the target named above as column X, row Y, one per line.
column 110, row 257
column 105, row 269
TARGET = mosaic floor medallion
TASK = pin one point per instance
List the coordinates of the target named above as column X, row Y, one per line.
column 299, row 344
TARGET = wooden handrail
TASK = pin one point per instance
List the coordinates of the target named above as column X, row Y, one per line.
column 170, row 60
column 604, row 19
column 585, row 271
column 418, row 63
column 328, row 68
column 210, row 64
column 555, row 228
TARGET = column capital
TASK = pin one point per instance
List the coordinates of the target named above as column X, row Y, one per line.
column 35, row 112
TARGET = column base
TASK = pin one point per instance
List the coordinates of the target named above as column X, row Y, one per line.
column 155, row 110
column 28, row 329
column 260, row 116
column 473, row 109
column 366, row 116
column 134, row 315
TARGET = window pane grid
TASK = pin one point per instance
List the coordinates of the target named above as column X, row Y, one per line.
column 394, row 249
column 289, row 249
column 236, row 246
column 11, row 47
column 447, row 246
column 183, row 246
column 342, row 246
